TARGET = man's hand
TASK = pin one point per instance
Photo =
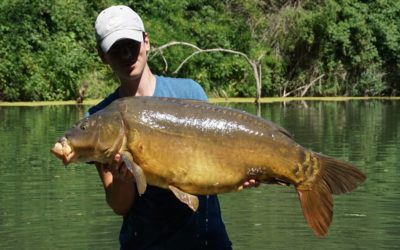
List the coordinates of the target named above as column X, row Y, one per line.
column 251, row 183
column 118, row 184
column 119, row 170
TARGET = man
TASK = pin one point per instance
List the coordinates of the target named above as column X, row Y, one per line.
column 155, row 220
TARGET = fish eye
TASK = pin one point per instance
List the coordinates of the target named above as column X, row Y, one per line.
column 83, row 125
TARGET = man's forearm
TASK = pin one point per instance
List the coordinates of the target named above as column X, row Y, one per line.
column 119, row 194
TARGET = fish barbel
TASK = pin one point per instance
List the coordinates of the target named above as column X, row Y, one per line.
column 196, row 148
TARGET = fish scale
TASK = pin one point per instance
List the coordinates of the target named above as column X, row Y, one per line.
column 196, row 148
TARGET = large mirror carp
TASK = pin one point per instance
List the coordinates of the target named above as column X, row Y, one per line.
column 196, row 148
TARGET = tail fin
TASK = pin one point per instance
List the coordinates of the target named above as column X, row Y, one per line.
column 333, row 177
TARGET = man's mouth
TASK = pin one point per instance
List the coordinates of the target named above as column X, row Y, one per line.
column 130, row 65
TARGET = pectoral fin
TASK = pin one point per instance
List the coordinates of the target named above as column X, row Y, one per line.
column 191, row 200
column 136, row 170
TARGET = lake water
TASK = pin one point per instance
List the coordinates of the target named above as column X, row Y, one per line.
column 46, row 206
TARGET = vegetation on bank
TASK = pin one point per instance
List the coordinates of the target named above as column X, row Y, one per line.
column 215, row 100
column 301, row 48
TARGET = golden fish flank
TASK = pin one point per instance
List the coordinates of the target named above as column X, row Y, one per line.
column 193, row 148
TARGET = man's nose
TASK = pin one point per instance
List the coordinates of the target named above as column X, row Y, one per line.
column 129, row 54
column 126, row 54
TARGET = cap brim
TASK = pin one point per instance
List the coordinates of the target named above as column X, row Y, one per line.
column 107, row 42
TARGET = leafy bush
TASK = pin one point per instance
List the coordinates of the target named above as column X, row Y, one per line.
column 340, row 47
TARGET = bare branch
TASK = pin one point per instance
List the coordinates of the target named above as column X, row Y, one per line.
column 164, row 59
column 211, row 50
column 157, row 50
column 305, row 88
column 255, row 64
column 311, row 84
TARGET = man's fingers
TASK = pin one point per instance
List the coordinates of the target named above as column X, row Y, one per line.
column 128, row 176
column 119, row 170
column 116, row 165
column 251, row 183
column 122, row 170
column 254, row 183
column 117, row 158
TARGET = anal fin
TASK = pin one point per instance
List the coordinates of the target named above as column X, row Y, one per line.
column 136, row 170
column 189, row 199
column 317, row 205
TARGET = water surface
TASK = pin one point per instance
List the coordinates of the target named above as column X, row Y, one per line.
column 46, row 206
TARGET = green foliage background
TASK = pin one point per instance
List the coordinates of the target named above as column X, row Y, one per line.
column 342, row 47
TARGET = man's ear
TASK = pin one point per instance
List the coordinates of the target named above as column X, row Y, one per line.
column 146, row 41
column 102, row 55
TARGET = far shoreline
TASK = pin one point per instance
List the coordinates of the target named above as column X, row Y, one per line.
column 211, row 100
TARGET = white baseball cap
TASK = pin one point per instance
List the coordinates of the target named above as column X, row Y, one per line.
column 116, row 23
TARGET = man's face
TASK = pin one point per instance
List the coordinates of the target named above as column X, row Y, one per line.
column 128, row 58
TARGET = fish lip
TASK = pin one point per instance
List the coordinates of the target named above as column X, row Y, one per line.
column 63, row 151
column 68, row 158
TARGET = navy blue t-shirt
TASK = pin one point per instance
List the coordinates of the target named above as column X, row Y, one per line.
column 157, row 219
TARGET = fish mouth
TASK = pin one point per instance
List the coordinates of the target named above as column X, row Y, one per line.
column 63, row 151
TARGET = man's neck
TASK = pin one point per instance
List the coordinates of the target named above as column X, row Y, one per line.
column 143, row 86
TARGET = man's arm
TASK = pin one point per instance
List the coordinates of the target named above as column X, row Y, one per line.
column 119, row 185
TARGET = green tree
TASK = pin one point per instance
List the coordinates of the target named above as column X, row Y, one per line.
column 318, row 48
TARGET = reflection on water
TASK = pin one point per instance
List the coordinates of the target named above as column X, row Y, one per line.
column 46, row 206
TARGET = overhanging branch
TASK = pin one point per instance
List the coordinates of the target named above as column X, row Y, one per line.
column 255, row 64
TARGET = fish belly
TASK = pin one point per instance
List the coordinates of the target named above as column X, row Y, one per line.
column 212, row 164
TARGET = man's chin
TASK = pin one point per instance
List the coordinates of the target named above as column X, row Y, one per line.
column 135, row 74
